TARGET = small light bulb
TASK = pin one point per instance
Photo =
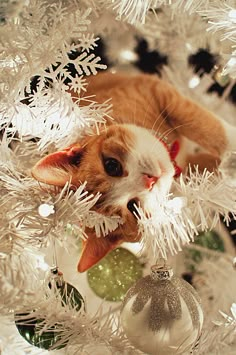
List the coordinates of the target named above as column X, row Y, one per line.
column 128, row 55
column 232, row 15
column 233, row 310
column 41, row 263
column 194, row 82
column 189, row 47
column 45, row 210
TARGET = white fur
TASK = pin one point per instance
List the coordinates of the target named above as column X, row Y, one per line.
column 147, row 156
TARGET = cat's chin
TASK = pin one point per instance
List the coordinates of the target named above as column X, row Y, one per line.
column 128, row 215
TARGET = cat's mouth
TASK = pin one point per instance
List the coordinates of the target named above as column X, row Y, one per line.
column 132, row 206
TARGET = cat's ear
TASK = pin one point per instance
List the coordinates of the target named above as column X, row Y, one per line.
column 55, row 169
column 94, row 249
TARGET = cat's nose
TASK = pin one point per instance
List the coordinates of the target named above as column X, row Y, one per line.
column 149, row 181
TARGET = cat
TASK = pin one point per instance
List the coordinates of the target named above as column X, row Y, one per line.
column 138, row 154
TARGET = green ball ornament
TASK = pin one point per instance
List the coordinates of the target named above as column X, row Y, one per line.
column 111, row 278
column 68, row 293
column 30, row 328
column 209, row 240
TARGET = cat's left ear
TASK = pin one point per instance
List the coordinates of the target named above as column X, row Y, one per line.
column 94, row 249
column 56, row 168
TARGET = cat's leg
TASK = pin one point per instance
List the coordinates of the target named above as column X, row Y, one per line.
column 203, row 161
column 195, row 122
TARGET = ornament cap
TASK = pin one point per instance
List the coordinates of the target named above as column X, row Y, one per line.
column 161, row 271
column 56, row 278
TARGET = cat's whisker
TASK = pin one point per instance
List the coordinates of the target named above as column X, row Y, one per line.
column 165, row 116
column 157, row 119
column 166, row 133
column 164, row 136
column 164, row 120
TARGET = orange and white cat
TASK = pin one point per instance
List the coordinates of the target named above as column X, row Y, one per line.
column 130, row 161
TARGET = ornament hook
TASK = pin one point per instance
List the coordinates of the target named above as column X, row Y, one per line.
column 56, row 276
column 161, row 271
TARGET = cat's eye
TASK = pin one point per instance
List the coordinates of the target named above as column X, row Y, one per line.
column 112, row 167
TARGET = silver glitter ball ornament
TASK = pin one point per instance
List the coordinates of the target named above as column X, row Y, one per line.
column 162, row 314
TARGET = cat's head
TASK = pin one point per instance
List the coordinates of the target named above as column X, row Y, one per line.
column 125, row 163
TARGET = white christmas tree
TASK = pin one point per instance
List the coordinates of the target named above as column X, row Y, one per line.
column 41, row 226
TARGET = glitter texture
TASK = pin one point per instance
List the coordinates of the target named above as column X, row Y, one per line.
column 165, row 296
column 115, row 274
column 161, row 313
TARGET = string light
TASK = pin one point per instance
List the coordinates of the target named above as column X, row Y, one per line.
column 46, row 210
column 232, row 15
column 128, row 55
column 194, row 82
column 41, row 264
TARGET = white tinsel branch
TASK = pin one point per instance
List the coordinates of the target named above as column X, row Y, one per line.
column 23, row 295
column 135, row 11
column 17, row 288
column 215, row 283
column 39, row 44
column 221, row 17
column 24, row 224
column 32, row 44
column 190, row 6
column 202, row 199
column 44, row 49
column 11, row 342
column 176, row 35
